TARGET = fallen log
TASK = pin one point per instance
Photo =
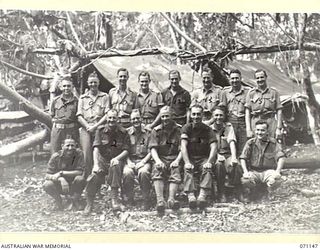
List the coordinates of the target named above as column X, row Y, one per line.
column 303, row 162
column 9, row 130
column 30, row 108
column 15, row 116
column 26, row 143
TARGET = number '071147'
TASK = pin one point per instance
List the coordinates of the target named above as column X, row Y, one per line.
column 308, row 246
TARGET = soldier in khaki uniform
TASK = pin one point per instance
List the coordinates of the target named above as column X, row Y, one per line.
column 63, row 111
column 177, row 98
column 262, row 160
column 92, row 108
column 122, row 98
column 138, row 162
column 164, row 146
column 227, row 164
column 263, row 103
column 236, row 98
column 148, row 102
column 209, row 96
column 64, row 175
column 199, row 151
column 110, row 149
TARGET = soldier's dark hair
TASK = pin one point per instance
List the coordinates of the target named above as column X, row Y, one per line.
column 144, row 73
column 260, row 122
column 174, row 71
column 123, row 69
column 67, row 78
column 93, row 75
column 68, row 137
column 208, row 70
column 135, row 111
column 260, row 70
column 235, row 71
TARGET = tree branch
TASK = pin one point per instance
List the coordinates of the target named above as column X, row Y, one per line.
column 285, row 32
column 25, row 71
column 176, row 28
column 240, row 21
column 75, row 34
column 6, row 39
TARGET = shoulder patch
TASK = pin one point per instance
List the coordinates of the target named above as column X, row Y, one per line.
column 112, row 90
column 252, row 140
column 178, row 125
column 273, row 89
column 130, row 130
column 273, row 140
column 157, row 128
column 56, row 98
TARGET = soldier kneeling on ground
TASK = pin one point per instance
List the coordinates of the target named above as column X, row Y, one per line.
column 64, row 175
column 262, row 160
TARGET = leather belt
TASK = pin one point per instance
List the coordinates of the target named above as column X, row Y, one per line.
column 264, row 116
column 63, row 126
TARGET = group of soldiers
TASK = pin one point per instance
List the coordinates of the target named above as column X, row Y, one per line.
column 171, row 142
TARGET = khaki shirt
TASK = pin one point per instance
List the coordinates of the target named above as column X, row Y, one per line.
column 225, row 135
column 261, row 156
column 64, row 111
column 93, row 108
column 166, row 140
column 123, row 104
column 179, row 102
column 111, row 142
column 208, row 99
column 150, row 104
column 199, row 139
column 236, row 100
column 262, row 102
column 138, row 143
column 58, row 162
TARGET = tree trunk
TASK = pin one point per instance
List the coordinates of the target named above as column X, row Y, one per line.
column 29, row 108
column 313, row 105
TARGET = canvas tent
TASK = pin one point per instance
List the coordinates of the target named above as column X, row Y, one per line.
column 157, row 68
column 292, row 96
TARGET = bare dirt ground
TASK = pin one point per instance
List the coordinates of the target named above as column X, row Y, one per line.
column 295, row 209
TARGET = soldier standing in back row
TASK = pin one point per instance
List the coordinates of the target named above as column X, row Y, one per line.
column 148, row 102
column 92, row 108
column 122, row 98
column 263, row 103
column 63, row 111
column 236, row 98
column 209, row 96
column 177, row 98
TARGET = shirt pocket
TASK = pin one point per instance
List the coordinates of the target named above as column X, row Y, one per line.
column 152, row 107
column 269, row 102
